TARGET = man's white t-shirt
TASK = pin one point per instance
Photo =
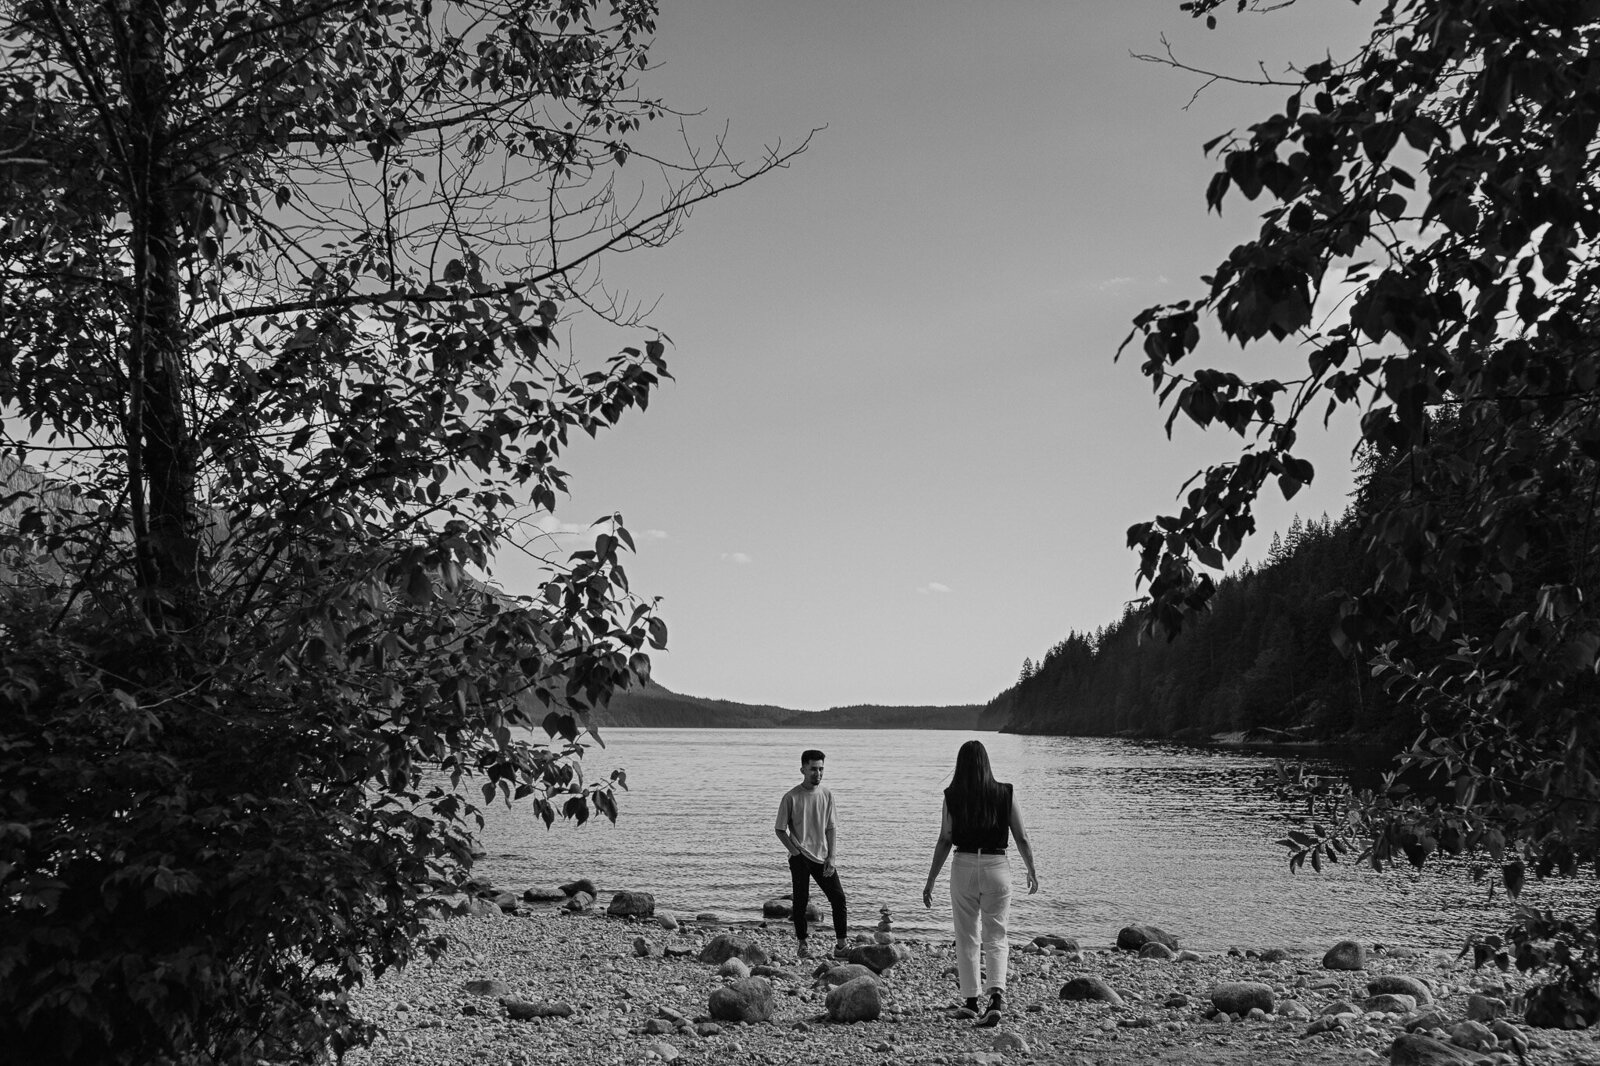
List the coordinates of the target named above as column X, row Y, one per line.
column 808, row 814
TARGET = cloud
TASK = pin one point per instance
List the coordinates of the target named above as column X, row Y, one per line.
column 738, row 557
column 1113, row 284
column 655, row 534
column 933, row 586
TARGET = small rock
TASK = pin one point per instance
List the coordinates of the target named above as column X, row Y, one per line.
column 734, row 967
column 582, row 884
column 1238, row 997
column 544, row 894
column 725, row 946
column 857, row 1000
column 1485, row 1008
column 506, row 901
column 837, row 975
column 1256, row 1014
column 707, row 1028
column 671, row 1015
column 708, row 916
column 1415, row 1049
column 1341, row 1006
column 1509, row 1036
column 1176, row 1000
column 663, row 1051
column 747, row 999
column 1007, row 1043
column 1390, row 1003
column 774, row 972
column 523, row 1011
column 1274, row 955
column 490, row 986
column 1052, row 940
column 1432, row 1018
column 1156, row 950
column 579, row 901
column 627, row 903
column 1090, row 989
column 1295, row 1010
column 1135, row 936
column 877, row 957
column 1474, row 1036
column 667, row 922
column 677, row 951
column 1345, row 955
column 658, row 1027
column 1187, row 956
column 643, row 949
column 1399, row 984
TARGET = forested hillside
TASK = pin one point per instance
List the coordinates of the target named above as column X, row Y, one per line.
column 1262, row 659
column 654, row 706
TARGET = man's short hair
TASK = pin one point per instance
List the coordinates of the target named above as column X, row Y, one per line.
column 811, row 755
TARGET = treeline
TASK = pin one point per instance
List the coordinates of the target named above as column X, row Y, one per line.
column 1262, row 661
column 655, row 707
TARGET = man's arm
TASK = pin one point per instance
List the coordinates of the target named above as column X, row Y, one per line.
column 827, row 861
column 781, row 827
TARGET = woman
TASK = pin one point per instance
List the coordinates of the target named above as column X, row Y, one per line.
column 979, row 813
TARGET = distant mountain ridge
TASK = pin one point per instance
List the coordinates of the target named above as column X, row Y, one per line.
column 660, row 708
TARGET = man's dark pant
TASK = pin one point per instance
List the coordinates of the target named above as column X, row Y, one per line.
column 801, row 871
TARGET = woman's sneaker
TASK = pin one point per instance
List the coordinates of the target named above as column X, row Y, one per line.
column 997, row 1005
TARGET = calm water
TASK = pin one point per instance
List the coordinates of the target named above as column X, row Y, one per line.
column 1122, row 832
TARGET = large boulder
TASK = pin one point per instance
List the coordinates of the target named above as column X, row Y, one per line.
column 629, row 904
column 1417, row 1049
column 1239, row 997
column 1345, row 955
column 1400, row 985
column 1135, row 936
column 725, row 946
column 877, row 957
column 748, row 999
column 856, row 1000
column 1089, row 989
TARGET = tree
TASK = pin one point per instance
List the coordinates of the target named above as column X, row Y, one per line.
column 281, row 284
column 1428, row 243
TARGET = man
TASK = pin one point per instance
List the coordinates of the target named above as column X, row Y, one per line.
column 805, row 825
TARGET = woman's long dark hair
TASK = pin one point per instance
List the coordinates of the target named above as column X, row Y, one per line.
column 974, row 794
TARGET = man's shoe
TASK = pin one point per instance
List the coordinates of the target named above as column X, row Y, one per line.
column 804, row 951
column 841, row 948
column 991, row 1016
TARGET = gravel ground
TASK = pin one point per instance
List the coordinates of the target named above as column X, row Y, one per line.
column 631, row 1009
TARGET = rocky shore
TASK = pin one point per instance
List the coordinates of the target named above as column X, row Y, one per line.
column 556, row 980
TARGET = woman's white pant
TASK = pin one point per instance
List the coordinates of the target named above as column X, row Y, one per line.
column 980, row 894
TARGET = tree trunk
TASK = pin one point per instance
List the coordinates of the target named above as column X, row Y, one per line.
column 160, row 449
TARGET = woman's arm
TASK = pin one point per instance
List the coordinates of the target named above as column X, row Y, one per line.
column 1020, row 834
column 941, row 849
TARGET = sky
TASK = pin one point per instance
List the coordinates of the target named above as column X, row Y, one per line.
column 898, row 456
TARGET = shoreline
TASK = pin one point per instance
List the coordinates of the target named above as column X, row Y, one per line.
column 609, row 1004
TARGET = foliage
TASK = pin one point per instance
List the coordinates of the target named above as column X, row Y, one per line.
column 1428, row 243
column 280, row 292
column 1257, row 662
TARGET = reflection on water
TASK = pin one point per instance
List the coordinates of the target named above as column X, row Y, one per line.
column 1122, row 831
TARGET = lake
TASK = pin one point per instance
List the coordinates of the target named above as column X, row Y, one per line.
column 1122, row 831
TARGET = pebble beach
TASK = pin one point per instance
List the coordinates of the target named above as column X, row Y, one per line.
column 538, row 983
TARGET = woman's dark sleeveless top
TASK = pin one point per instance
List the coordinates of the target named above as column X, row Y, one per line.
column 989, row 826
